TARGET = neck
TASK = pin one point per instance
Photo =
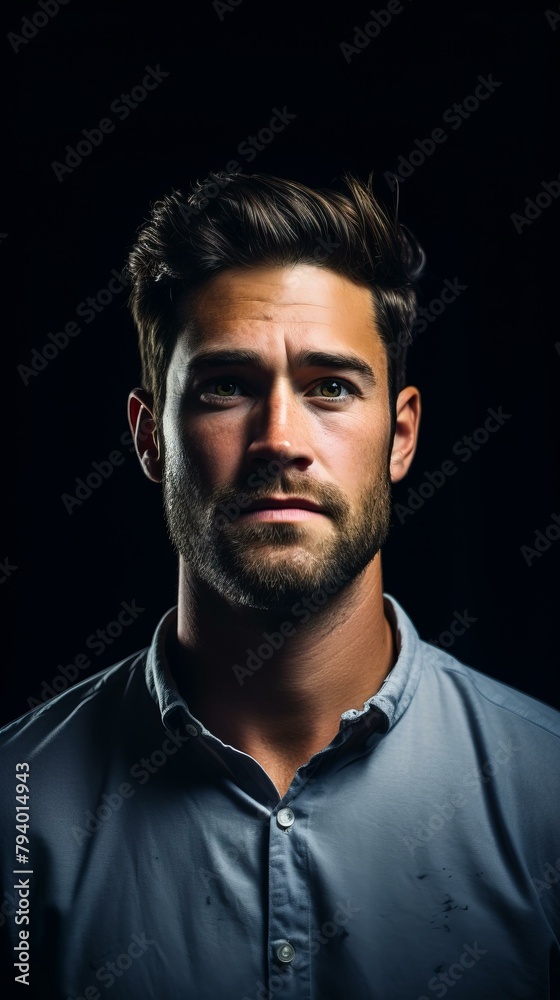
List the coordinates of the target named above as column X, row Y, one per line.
column 322, row 666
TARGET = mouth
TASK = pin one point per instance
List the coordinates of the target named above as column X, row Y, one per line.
column 283, row 509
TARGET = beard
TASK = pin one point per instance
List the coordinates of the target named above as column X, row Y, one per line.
column 270, row 565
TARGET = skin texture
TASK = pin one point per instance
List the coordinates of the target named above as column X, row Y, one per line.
column 286, row 428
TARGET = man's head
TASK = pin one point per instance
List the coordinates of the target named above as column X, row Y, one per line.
column 297, row 294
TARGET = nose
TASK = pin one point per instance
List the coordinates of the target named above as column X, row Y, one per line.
column 281, row 429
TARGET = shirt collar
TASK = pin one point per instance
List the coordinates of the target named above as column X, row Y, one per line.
column 387, row 706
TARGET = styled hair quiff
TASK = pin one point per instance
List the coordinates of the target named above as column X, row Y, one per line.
column 234, row 220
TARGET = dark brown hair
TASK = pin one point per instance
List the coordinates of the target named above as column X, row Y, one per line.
column 234, row 220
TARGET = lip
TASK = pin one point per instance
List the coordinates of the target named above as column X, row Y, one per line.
column 280, row 503
column 283, row 509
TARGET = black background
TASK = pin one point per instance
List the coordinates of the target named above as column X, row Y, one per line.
column 497, row 346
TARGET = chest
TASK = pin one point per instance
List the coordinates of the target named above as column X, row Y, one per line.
column 280, row 771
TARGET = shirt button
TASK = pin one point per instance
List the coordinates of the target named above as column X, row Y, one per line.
column 285, row 818
column 191, row 730
column 285, row 952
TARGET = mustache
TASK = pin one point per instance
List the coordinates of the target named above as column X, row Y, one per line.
column 329, row 498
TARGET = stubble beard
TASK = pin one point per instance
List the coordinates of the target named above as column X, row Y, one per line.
column 256, row 564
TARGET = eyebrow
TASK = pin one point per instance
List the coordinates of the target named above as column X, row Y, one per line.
column 303, row 359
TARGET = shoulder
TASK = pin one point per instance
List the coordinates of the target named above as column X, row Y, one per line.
column 75, row 709
column 496, row 702
column 458, row 699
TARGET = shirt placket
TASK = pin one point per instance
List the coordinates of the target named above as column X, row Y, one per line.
column 289, row 973
column 290, row 934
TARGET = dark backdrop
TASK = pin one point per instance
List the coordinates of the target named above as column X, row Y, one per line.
column 66, row 573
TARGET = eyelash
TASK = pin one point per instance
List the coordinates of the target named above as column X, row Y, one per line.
column 213, row 397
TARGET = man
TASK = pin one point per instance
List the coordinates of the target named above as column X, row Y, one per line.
column 288, row 794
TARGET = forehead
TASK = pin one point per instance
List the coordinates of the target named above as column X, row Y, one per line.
column 272, row 309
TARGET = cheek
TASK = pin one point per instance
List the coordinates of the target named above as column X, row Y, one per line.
column 211, row 450
column 356, row 447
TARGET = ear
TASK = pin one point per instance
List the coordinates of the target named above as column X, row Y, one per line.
column 407, row 424
column 145, row 433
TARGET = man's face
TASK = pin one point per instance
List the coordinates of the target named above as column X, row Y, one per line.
column 280, row 425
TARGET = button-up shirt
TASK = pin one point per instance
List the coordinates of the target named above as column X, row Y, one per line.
column 417, row 854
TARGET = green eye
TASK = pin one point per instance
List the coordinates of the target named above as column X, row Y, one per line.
column 223, row 382
column 331, row 389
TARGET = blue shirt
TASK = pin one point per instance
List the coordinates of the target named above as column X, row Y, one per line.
column 418, row 852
